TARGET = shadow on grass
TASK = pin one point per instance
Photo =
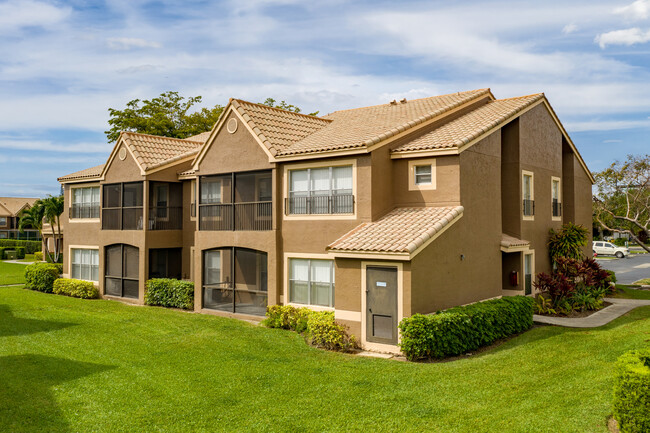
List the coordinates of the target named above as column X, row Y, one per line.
column 11, row 325
column 27, row 403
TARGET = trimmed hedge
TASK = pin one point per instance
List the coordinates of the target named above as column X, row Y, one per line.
column 38, row 256
column 75, row 288
column 30, row 246
column 319, row 327
column 463, row 329
column 632, row 392
column 167, row 292
column 41, row 276
column 20, row 253
column 2, row 252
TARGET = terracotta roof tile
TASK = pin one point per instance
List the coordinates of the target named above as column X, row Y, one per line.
column 466, row 128
column 403, row 230
column 510, row 241
column 202, row 137
column 153, row 151
column 15, row 204
column 87, row 173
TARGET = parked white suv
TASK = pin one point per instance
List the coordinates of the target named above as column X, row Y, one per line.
column 606, row 248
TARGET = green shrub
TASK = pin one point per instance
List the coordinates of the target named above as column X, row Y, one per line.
column 38, row 256
column 323, row 331
column 41, row 276
column 287, row 317
column 167, row 292
column 30, row 246
column 75, row 288
column 2, row 252
column 464, row 329
column 620, row 242
column 567, row 242
column 50, row 258
column 632, row 392
column 20, row 252
column 612, row 276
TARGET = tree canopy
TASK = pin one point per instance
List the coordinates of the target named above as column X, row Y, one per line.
column 622, row 200
column 169, row 115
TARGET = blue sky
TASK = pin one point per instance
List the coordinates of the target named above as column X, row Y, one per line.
column 63, row 64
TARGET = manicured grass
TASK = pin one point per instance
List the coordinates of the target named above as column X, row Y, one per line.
column 92, row 365
column 631, row 292
column 11, row 273
column 28, row 258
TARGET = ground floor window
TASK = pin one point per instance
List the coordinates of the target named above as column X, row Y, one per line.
column 528, row 273
column 235, row 280
column 311, row 282
column 122, row 270
column 165, row 263
column 85, row 264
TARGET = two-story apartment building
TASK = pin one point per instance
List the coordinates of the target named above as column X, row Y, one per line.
column 375, row 213
column 10, row 211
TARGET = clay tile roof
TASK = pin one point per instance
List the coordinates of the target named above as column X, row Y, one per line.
column 87, row 173
column 202, row 137
column 278, row 129
column 15, row 204
column 466, row 128
column 152, row 151
column 285, row 133
column 510, row 241
column 403, row 230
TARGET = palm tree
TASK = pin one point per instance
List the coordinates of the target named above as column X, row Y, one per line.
column 33, row 218
column 53, row 208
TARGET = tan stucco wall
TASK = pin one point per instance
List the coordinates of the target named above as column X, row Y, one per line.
column 447, row 192
column 441, row 278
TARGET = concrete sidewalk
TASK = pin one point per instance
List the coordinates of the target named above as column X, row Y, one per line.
column 599, row 318
column 20, row 262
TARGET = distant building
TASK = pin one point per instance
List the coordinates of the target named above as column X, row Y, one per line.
column 10, row 210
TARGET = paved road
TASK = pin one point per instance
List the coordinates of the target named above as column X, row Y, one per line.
column 630, row 269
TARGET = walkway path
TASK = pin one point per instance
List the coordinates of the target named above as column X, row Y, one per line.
column 20, row 262
column 599, row 318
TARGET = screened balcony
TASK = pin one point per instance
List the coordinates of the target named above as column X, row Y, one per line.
column 236, row 201
column 122, row 206
column 165, row 206
column 235, row 280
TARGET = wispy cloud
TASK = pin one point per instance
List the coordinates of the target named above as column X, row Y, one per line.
column 16, row 14
column 639, row 10
column 623, row 37
column 130, row 43
column 48, row 146
column 608, row 125
column 569, row 28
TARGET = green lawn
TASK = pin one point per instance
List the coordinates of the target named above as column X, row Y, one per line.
column 11, row 273
column 70, row 365
column 629, row 292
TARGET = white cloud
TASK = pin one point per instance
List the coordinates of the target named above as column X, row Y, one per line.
column 639, row 10
column 130, row 43
column 16, row 14
column 623, row 37
column 569, row 28
column 608, row 125
column 48, row 146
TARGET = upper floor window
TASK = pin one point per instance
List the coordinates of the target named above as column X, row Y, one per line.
column 556, row 202
column 528, row 194
column 3, row 221
column 193, row 199
column 85, row 264
column 85, row 202
column 311, row 282
column 122, row 206
column 422, row 174
column 320, row 191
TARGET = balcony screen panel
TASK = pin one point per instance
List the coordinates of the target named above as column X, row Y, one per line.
column 113, row 286
column 246, row 269
column 342, row 180
column 114, row 261
column 113, row 195
column 216, row 189
column 250, row 303
column 245, row 187
column 132, row 218
column 132, row 194
column 264, row 187
column 212, row 266
column 218, row 299
column 131, row 262
column 131, row 288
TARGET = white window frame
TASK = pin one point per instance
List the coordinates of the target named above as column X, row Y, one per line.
column 287, row 275
column 3, row 221
column 525, row 173
column 530, row 253
column 71, row 256
column 99, row 203
column 413, row 185
column 559, row 197
column 314, row 165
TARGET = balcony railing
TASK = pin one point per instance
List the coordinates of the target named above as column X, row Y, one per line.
column 237, row 216
column 122, row 218
column 529, row 207
column 165, row 218
column 320, row 205
column 557, row 208
column 84, row 210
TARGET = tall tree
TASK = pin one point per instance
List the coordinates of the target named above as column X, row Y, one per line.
column 622, row 200
column 33, row 218
column 166, row 115
column 53, row 208
column 285, row 106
